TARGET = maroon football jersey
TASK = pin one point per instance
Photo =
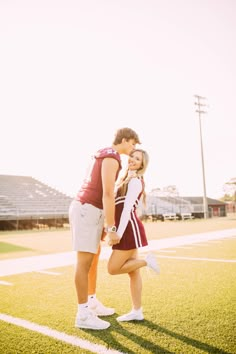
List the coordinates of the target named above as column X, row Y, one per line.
column 91, row 190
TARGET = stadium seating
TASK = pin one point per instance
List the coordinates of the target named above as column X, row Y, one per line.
column 23, row 198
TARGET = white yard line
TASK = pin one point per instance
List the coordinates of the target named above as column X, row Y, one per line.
column 200, row 259
column 2, row 282
column 190, row 239
column 36, row 263
column 76, row 341
column 167, row 251
column 184, row 248
column 202, row 244
column 55, row 260
column 47, row 272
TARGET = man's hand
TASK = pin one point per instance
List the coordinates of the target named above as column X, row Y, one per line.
column 104, row 235
column 113, row 238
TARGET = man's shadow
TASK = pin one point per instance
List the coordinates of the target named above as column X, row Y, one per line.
column 108, row 337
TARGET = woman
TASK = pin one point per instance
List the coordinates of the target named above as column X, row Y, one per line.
column 124, row 257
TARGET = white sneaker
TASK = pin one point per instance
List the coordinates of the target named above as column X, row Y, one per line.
column 131, row 316
column 99, row 309
column 152, row 262
column 91, row 321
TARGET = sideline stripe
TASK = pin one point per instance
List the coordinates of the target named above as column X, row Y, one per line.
column 3, row 282
column 185, row 248
column 155, row 245
column 200, row 259
column 202, row 244
column 167, row 251
column 76, row 341
column 47, row 272
column 54, row 260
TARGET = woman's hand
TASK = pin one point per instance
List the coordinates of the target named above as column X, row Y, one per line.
column 113, row 238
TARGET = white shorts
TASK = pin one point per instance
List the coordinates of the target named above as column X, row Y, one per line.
column 86, row 223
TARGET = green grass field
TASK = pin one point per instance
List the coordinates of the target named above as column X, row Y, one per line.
column 6, row 248
column 188, row 308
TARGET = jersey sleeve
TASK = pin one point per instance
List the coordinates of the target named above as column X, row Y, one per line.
column 133, row 191
column 110, row 153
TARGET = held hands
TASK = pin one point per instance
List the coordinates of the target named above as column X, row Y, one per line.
column 113, row 238
column 110, row 234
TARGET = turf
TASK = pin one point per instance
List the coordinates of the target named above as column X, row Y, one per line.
column 42, row 242
column 188, row 308
column 8, row 247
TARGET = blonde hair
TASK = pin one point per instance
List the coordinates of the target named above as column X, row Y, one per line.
column 123, row 183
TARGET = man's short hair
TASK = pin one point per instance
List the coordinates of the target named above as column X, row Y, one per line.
column 125, row 133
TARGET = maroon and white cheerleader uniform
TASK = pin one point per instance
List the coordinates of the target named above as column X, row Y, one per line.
column 129, row 227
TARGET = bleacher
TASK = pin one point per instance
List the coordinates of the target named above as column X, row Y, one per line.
column 166, row 208
column 27, row 201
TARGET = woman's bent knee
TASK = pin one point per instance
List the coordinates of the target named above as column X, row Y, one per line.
column 112, row 270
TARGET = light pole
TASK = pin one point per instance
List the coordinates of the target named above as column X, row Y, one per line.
column 200, row 111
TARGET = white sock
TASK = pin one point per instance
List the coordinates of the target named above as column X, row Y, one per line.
column 137, row 310
column 83, row 308
column 92, row 297
column 92, row 300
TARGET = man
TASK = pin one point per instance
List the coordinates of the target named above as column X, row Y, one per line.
column 94, row 205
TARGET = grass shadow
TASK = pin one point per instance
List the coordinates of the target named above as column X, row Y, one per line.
column 145, row 344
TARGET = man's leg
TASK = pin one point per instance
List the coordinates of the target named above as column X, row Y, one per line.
column 92, row 275
column 84, row 261
column 93, row 302
column 85, row 318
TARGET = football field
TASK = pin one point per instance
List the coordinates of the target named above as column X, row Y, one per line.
column 188, row 308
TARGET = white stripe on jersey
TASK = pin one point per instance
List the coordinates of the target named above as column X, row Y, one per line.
column 135, row 228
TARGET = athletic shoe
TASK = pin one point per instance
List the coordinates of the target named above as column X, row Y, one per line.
column 99, row 309
column 91, row 321
column 152, row 262
column 131, row 316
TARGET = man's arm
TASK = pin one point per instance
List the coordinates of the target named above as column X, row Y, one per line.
column 109, row 170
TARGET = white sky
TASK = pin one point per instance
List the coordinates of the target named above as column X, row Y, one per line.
column 72, row 72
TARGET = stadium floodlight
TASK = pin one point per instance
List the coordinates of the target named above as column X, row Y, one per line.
column 200, row 112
